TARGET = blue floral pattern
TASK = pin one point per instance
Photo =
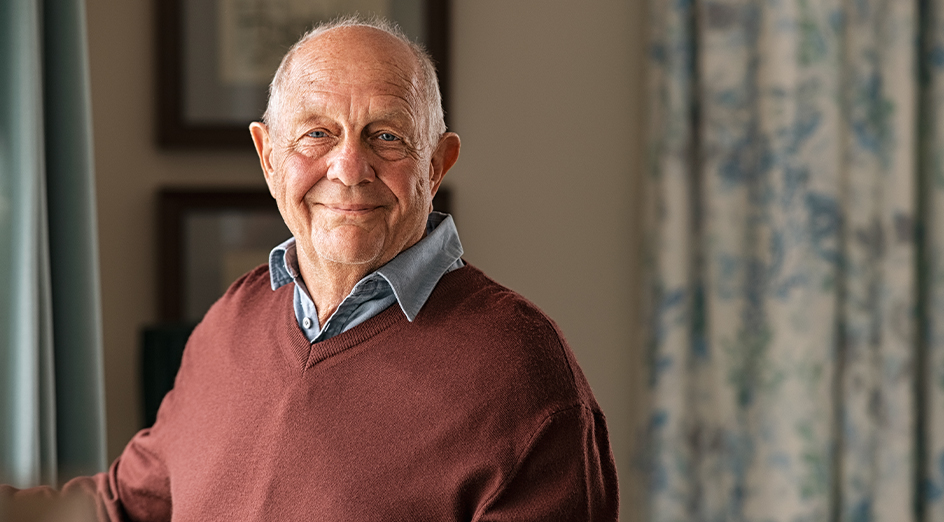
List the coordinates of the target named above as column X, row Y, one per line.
column 793, row 154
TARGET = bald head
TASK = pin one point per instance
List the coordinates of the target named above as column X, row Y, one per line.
column 353, row 150
column 355, row 43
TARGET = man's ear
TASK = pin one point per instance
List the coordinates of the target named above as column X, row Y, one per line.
column 263, row 142
column 444, row 157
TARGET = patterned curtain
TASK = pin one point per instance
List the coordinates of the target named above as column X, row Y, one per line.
column 796, row 261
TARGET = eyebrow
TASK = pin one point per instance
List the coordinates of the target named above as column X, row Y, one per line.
column 395, row 116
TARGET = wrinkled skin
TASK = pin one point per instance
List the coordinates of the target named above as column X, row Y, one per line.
column 349, row 162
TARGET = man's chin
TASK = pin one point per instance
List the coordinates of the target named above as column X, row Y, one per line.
column 349, row 253
column 352, row 259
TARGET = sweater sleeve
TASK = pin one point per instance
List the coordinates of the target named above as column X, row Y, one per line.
column 137, row 486
column 567, row 473
column 134, row 489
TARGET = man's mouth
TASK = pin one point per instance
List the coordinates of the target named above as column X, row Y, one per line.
column 351, row 209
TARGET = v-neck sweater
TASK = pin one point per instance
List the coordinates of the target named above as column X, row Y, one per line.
column 477, row 410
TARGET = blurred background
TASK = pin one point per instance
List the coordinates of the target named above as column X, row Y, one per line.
column 732, row 208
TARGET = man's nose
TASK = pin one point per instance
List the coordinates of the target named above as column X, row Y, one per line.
column 350, row 163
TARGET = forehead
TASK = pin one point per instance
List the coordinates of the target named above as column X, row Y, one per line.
column 355, row 63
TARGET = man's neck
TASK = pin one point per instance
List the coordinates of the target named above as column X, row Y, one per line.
column 329, row 283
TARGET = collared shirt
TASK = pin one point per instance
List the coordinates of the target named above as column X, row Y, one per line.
column 407, row 279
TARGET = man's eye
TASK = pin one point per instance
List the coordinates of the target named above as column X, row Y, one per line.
column 386, row 136
column 317, row 134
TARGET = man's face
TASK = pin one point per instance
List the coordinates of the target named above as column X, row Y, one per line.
column 347, row 161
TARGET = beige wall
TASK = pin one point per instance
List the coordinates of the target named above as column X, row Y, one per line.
column 547, row 100
column 547, row 96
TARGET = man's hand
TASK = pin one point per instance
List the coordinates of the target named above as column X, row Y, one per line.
column 44, row 504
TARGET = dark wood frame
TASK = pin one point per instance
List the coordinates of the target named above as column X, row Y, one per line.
column 173, row 206
column 172, row 129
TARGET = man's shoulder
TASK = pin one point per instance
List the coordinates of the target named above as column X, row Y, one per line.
column 258, row 276
column 469, row 294
column 249, row 288
column 506, row 334
column 250, row 313
column 249, row 298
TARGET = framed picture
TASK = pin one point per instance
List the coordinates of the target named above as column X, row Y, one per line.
column 208, row 238
column 216, row 58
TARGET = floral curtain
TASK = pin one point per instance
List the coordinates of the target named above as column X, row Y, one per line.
column 796, row 261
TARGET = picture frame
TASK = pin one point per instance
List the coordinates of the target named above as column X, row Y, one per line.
column 208, row 237
column 215, row 58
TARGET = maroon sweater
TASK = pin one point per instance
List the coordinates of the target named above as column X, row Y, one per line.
column 475, row 411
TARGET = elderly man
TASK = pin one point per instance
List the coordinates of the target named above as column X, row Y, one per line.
column 366, row 373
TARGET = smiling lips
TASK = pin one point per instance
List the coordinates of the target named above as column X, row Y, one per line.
column 351, row 209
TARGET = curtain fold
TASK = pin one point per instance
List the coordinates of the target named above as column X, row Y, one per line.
column 931, row 287
column 51, row 395
column 796, row 279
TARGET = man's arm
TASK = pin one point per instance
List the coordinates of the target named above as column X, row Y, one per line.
column 135, row 489
column 566, row 474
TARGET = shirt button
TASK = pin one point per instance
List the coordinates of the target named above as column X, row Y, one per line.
column 307, row 322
